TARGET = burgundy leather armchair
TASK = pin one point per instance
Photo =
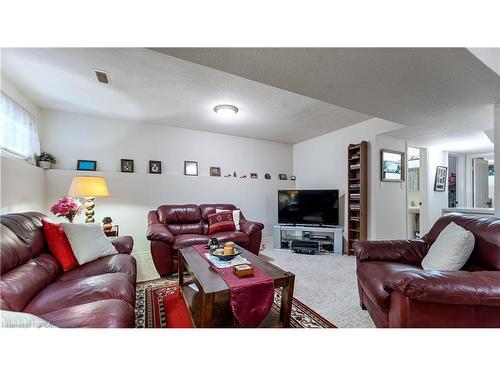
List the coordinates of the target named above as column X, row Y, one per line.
column 97, row 294
column 171, row 227
column 397, row 292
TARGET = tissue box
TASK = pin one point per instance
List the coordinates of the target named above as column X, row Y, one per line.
column 243, row 270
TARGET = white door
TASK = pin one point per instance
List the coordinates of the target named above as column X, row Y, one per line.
column 480, row 175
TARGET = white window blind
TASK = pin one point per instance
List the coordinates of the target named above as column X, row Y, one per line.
column 18, row 133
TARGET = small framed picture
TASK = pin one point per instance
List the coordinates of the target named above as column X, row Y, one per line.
column 283, row 176
column 392, row 166
column 215, row 171
column 155, row 166
column 190, row 168
column 254, row 175
column 127, row 165
column 441, row 177
column 86, row 165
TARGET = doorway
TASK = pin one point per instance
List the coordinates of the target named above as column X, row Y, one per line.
column 452, row 181
column 416, row 190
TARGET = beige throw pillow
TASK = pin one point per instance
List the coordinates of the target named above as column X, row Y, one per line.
column 88, row 242
column 451, row 249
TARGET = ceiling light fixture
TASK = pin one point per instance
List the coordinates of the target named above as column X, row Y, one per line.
column 226, row 109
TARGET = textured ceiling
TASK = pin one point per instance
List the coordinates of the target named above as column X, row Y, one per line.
column 440, row 94
column 151, row 87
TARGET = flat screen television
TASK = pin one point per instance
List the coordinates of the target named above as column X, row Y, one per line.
column 308, row 207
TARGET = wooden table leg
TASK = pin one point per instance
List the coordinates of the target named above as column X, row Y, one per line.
column 286, row 301
column 206, row 311
column 180, row 263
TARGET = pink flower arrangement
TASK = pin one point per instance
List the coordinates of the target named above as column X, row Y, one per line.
column 67, row 207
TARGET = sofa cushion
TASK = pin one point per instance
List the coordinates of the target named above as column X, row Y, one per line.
column 14, row 252
column 372, row 275
column 21, row 284
column 122, row 263
column 184, row 240
column 62, row 294
column 109, row 313
column 239, row 238
column 451, row 250
column 88, row 242
column 28, row 227
column 58, row 245
column 221, row 221
column 207, row 209
column 181, row 219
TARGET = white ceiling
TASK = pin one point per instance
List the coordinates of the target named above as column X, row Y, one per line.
column 151, row 87
column 442, row 95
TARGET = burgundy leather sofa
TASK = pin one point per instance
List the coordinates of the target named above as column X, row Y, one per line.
column 97, row 294
column 171, row 227
column 398, row 293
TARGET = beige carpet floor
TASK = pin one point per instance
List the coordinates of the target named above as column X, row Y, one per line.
column 326, row 283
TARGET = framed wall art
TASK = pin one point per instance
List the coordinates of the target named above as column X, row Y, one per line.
column 190, row 168
column 127, row 165
column 155, row 167
column 392, row 165
column 441, row 177
column 215, row 171
column 86, row 165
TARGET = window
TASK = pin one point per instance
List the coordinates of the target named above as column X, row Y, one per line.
column 18, row 133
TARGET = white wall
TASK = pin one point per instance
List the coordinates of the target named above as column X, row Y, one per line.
column 72, row 136
column 22, row 184
column 321, row 162
column 497, row 158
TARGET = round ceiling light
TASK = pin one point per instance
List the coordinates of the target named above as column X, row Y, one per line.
column 226, row 109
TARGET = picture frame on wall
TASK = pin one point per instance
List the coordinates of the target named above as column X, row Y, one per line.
column 392, row 166
column 155, row 167
column 440, row 179
column 86, row 165
column 127, row 165
column 254, row 175
column 190, row 168
column 215, row 171
column 283, row 176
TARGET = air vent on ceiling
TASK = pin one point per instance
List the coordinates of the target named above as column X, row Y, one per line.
column 102, row 76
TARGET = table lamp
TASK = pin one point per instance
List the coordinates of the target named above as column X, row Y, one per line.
column 88, row 187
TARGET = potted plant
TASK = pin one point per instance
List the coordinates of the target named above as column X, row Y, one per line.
column 45, row 160
column 106, row 224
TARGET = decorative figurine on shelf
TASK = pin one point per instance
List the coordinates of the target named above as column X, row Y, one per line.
column 67, row 207
column 234, row 174
column 106, row 224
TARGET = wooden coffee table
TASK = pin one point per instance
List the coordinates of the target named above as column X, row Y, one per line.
column 209, row 304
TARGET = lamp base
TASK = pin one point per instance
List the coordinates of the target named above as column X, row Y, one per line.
column 89, row 213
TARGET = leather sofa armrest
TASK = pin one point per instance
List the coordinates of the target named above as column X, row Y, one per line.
column 159, row 232
column 451, row 287
column 123, row 244
column 250, row 227
column 401, row 251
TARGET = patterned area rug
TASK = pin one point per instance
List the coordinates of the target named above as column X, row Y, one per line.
column 150, row 313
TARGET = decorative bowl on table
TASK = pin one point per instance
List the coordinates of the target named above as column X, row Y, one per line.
column 219, row 253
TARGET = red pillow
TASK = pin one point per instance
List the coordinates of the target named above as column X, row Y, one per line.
column 59, row 245
column 220, row 222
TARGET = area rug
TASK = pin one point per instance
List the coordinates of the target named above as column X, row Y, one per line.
column 150, row 310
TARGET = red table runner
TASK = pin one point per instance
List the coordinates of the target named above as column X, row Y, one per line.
column 251, row 297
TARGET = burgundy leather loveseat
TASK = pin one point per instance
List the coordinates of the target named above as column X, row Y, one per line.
column 97, row 294
column 171, row 227
column 398, row 293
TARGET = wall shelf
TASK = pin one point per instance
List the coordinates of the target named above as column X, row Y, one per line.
column 357, row 157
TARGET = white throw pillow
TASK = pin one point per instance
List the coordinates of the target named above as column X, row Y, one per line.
column 451, row 249
column 236, row 217
column 88, row 242
column 14, row 319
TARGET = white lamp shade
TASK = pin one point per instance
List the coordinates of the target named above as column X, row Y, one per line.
column 88, row 186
